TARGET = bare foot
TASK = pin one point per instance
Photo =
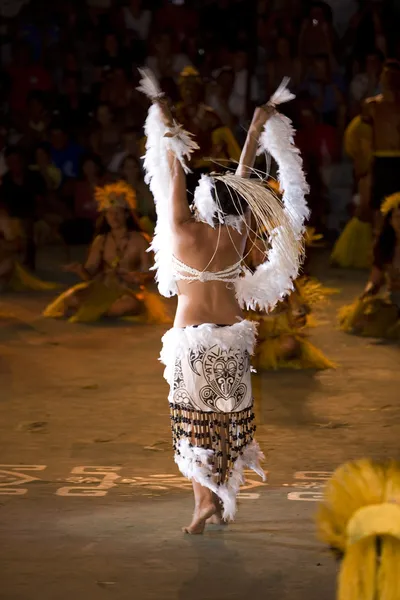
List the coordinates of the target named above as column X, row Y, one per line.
column 200, row 517
column 216, row 520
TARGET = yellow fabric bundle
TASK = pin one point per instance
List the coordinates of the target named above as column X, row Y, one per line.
column 274, row 331
column 358, row 144
column 370, row 317
column 361, row 507
column 22, row 281
column 353, row 249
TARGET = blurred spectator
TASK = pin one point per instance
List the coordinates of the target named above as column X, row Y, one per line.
column 79, row 229
column 65, row 153
column 177, row 17
column 137, row 19
column 130, row 147
column 131, row 172
column 23, row 192
column 52, row 175
column 163, row 61
column 219, row 95
column 317, row 35
column 73, row 105
column 37, row 122
column 26, row 77
column 243, row 79
column 367, row 82
column 106, row 137
column 326, row 87
column 284, row 64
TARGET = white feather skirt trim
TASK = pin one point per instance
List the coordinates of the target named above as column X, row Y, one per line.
column 196, row 463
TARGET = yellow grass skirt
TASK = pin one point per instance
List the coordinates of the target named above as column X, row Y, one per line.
column 371, row 317
column 272, row 333
column 353, row 249
column 98, row 298
column 23, row 281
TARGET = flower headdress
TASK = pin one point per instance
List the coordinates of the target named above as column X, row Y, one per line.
column 390, row 203
column 119, row 194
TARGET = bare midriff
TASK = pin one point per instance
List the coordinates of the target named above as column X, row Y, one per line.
column 207, row 302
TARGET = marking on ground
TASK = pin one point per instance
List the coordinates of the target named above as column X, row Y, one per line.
column 309, row 485
column 96, row 481
column 13, row 475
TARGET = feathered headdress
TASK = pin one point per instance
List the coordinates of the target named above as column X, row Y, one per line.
column 119, row 194
column 390, row 203
column 359, row 519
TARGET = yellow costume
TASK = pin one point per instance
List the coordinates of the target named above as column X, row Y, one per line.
column 376, row 316
column 274, row 330
column 359, row 519
column 97, row 296
column 353, row 249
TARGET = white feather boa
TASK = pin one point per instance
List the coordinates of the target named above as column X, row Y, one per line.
column 158, row 176
column 273, row 279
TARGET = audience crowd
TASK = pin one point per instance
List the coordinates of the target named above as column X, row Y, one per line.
column 71, row 118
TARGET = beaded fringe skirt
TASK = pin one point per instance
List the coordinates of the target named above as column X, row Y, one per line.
column 211, row 405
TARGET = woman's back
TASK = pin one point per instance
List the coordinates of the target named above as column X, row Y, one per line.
column 203, row 250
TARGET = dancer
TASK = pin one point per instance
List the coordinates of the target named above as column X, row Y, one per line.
column 373, row 141
column 377, row 312
column 13, row 276
column 359, row 519
column 199, row 256
column 116, row 270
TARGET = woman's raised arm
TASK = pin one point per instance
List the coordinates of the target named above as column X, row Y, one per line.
column 249, row 152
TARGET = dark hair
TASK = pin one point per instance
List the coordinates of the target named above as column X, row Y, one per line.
column 385, row 244
column 91, row 156
column 134, row 159
column 131, row 221
column 42, row 146
column 228, row 199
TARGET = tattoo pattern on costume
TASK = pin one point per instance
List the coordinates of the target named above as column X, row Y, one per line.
column 223, row 371
column 180, row 394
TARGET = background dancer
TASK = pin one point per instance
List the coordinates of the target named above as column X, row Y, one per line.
column 199, row 256
column 359, row 519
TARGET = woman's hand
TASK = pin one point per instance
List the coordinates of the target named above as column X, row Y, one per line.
column 75, row 267
column 261, row 116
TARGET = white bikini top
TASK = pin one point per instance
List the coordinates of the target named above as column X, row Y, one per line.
column 185, row 273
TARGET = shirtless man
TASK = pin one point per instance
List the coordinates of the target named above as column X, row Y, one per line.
column 382, row 114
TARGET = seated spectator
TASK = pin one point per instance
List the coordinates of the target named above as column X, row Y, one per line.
column 283, row 64
column 163, row 61
column 177, row 17
column 52, row 175
column 327, row 91
column 317, row 35
column 219, row 94
column 132, row 173
column 37, row 122
column 80, row 227
column 73, row 105
column 65, row 153
column 118, row 91
column 137, row 19
column 26, row 77
column 239, row 95
column 106, row 137
column 366, row 84
column 110, row 55
column 131, row 145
